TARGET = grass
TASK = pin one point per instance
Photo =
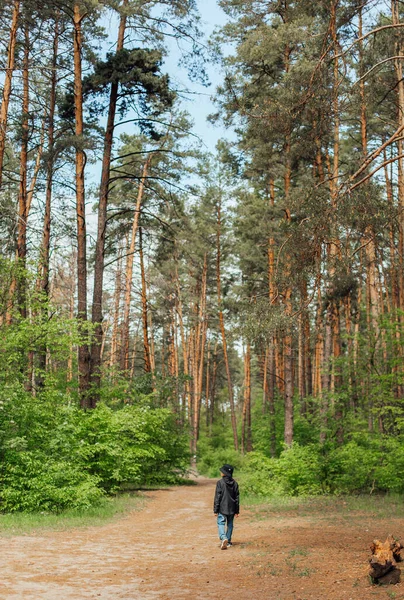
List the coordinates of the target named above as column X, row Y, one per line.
column 377, row 506
column 104, row 512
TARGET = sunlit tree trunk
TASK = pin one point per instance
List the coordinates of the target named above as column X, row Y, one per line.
column 95, row 373
column 392, row 249
column 73, row 283
column 22, row 195
column 331, row 379
column 288, row 340
column 270, row 368
column 221, row 324
column 399, row 49
column 318, row 352
column 45, row 246
column 185, row 355
column 199, row 353
column 398, row 64
column 38, row 160
column 146, row 345
column 207, row 383
column 370, row 249
column 287, row 293
column 7, row 83
column 83, row 352
column 129, row 269
column 213, row 389
column 49, row 120
column 246, row 442
column 117, row 307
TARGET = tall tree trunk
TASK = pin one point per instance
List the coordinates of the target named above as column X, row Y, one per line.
column 83, row 351
column 332, row 343
column 269, row 385
column 199, row 353
column 22, row 195
column 271, row 399
column 185, row 355
column 399, row 51
column 117, row 305
column 146, row 345
column 395, row 10
column 393, row 271
column 246, row 445
column 318, row 352
column 32, row 186
column 207, row 385
column 288, row 340
column 301, row 381
column 326, row 375
column 95, row 372
column 129, row 269
column 46, row 232
column 152, row 349
column 370, row 248
column 213, row 389
column 45, row 246
column 221, row 323
column 308, row 356
column 71, row 291
column 7, row 83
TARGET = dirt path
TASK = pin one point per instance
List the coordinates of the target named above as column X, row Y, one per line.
column 170, row 551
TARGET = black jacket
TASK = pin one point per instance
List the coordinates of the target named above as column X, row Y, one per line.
column 227, row 499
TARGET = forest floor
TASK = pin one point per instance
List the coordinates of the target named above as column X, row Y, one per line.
column 169, row 550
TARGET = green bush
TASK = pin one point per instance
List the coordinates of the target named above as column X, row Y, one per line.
column 34, row 482
column 55, row 456
column 297, row 472
column 212, row 460
column 351, row 468
column 367, row 463
column 300, row 470
column 134, row 445
column 259, row 476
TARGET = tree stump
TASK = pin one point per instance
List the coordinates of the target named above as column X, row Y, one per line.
column 383, row 563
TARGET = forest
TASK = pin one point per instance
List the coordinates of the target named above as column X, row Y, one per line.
column 164, row 307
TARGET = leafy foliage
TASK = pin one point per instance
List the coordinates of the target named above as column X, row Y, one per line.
column 55, row 456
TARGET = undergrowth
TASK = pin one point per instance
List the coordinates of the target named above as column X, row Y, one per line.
column 106, row 510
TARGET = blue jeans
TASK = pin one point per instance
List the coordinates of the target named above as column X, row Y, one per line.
column 222, row 520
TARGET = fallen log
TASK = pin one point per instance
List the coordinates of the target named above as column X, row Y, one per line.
column 383, row 563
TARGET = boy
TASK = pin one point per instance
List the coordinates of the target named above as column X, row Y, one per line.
column 226, row 505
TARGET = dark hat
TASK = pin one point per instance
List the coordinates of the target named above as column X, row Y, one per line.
column 227, row 470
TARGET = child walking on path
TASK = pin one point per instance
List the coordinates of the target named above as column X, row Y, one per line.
column 226, row 505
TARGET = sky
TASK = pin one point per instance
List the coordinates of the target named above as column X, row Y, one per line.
column 199, row 102
column 200, row 105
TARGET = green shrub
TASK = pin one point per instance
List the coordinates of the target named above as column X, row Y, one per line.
column 132, row 445
column 300, row 469
column 34, row 482
column 56, row 456
column 351, row 468
column 212, row 460
column 297, row 472
column 367, row 463
column 259, row 476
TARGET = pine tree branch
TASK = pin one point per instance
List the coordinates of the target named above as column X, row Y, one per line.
column 377, row 65
column 376, row 153
column 369, row 175
column 366, row 35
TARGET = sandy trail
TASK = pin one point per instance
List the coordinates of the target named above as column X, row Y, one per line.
column 170, row 551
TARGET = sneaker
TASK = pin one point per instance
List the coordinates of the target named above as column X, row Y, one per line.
column 229, row 544
column 223, row 545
